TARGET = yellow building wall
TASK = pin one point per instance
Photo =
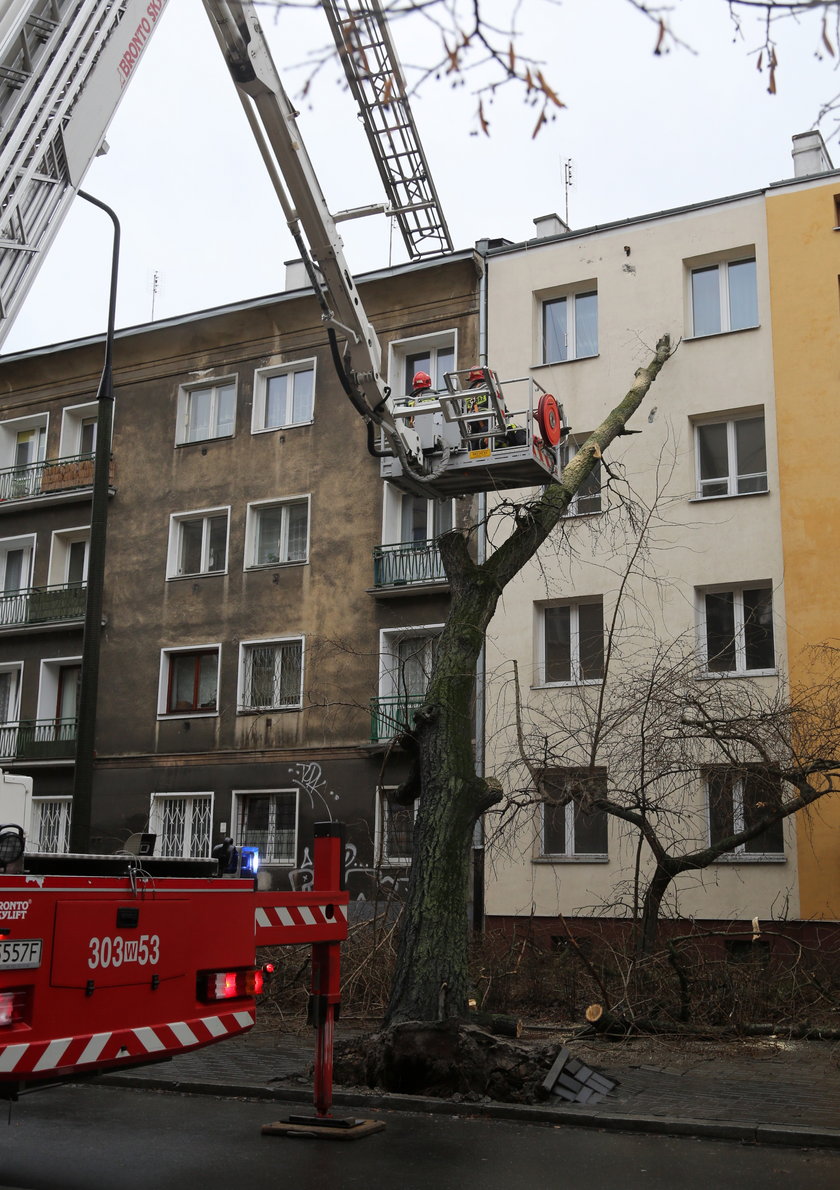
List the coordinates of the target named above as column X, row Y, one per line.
column 804, row 260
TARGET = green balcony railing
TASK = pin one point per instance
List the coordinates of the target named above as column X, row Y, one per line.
column 407, row 562
column 50, row 475
column 390, row 716
column 39, row 739
column 42, row 605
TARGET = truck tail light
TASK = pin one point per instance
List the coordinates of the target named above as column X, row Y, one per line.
column 230, row 985
column 14, row 1006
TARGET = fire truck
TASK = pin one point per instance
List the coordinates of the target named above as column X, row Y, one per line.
column 107, row 962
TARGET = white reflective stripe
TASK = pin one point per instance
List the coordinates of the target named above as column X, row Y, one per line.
column 262, row 918
column 94, row 1047
column 343, row 911
column 149, row 1039
column 11, row 1055
column 53, row 1054
column 215, row 1026
column 308, row 916
column 184, row 1033
column 244, row 1019
column 285, row 916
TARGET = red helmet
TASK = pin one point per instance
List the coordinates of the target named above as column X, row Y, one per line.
column 476, row 374
column 421, row 380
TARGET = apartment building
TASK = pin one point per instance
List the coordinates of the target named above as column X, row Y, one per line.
column 270, row 607
column 722, row 569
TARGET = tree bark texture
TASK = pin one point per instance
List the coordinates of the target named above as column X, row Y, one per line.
column 431, row 981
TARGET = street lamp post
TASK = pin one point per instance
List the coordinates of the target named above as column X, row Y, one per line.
column 89, row 685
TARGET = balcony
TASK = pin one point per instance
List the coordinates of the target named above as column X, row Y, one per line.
column 39, row 739
column 409, row 567
column 50, row 480
column 42, row 606
column 391, row 716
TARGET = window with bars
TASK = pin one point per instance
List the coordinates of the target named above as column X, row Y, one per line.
column 737, row 800
column 268, row 819
column 278, row 533
column 272, row 675
column 183, row 824
column 51, row 825
column 572, row 643
column 395, row 830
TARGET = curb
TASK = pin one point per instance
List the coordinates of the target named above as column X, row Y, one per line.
column 778, row 1134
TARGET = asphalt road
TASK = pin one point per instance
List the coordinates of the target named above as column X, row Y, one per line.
column 86, row 1137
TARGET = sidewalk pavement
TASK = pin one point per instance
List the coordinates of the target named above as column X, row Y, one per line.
column 768, row 1090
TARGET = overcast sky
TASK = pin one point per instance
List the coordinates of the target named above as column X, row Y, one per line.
column 644, row 134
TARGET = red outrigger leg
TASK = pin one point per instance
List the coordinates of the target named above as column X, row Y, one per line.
column 325, row 989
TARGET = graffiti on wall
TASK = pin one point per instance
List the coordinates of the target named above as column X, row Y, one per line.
column 310, row 780
column 363, row 883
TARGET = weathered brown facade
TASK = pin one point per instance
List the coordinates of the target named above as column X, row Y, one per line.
column 239, row 617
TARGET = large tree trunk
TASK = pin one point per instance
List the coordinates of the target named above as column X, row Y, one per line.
column 431, row 981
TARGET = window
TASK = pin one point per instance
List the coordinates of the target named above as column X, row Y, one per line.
column 407, row 656
column 731, row 457
column 182, row 823
column 271, row 675
column 423, row 520
column 9, row 703
column 78, row 430
column 284, row 396
column 588, row 498
column 738, row 630
column 277, row 532
column 268, row 819
column 69, row 557
column 189, row 681
column 50, row 826
column 198, row 543
column 737, row 799
column 724, row 297
column 434, row 354
column 572, row 642
column 16, row 558
column 206, row 411
column 571, row 825
column 570, row 327
column 394, row 829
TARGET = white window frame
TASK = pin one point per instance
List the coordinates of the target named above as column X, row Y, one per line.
column 389, row 641
column 565, row 453
column 176, row 520
column 400, row 349
column 9, row 431
column 252, row 519
column 392, row 506
column 163, row 688
column 722, row 263
column 732, row 477
column 574, row 634
column 737, row 590
column 156, row 803
column 261, row 379
column 60, row 543
column 240, row 795
column 383, row 807
column 9, row 545
column 9, row 726
column 48, row 681
column 740, row 854
column 245, row 645
column 568, row 294
column 570, row 854
column 214, row 384
column 64, row 806
column 72, row 417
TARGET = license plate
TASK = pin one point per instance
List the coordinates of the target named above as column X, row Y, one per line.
column 20, row 954
column 480, row 454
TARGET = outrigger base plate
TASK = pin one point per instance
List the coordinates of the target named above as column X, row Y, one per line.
column 324, row 1127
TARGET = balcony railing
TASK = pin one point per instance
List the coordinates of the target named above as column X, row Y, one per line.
column 39, row 739
column 42, row 605
column 390, row 716
column 47, row 477
column 407, row 562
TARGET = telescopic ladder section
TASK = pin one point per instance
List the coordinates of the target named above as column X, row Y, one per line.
column 63, row 67
column 376, row 82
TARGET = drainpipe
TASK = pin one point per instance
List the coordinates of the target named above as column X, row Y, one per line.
column 89, row 687
column 481, row 665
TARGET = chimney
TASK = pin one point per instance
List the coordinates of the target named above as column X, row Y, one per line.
column 296, row 277
column 810, row 155
column 550, row 225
